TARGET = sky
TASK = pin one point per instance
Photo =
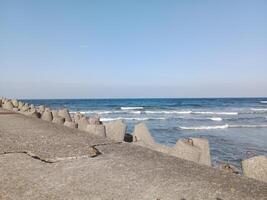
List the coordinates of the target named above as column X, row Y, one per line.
column 133, row 48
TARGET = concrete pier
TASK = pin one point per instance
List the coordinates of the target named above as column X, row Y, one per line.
column 44, row 160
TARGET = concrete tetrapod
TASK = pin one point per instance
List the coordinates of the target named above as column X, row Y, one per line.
column 65, row 114
column 71, row 124
column 193, row 149
column 47, row 115
column 95, row 129
column 8, row 105
column 255, row 167
column 82, row 123
column 203, row 145
column 115, row 130
column 142, row 136
column 15, row 102
column 58, row 120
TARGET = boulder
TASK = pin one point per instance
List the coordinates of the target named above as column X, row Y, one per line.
column 229, row 168
column 93, row 152
column 96, row 129
column 82, row 123
column 15, row 103
column 65, row 114
column 47, row 115
column 94, row 120
column 71, row 124
column 203, row 145
column 8, row 105
column 58, row 120
column 128, row 137
column 115, row 130
column 255, row 167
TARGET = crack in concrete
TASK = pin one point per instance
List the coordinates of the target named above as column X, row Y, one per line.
column 50, row 161
column 34, row 156
column 105, row 143
column 28, row 153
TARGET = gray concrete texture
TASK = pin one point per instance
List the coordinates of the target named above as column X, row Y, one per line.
column 42, row 160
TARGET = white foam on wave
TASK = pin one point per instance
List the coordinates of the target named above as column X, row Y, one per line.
column 263, row 101
column 217, row 119
column 204, row 127
column 135, row 112
column 94, row 112
column 249, row 126
column 215, row 113
column 132, row 108
column 168, row 112
column 106, row 112
column 131, row 119
column 190, row 112
column 259, row 109
column 225, row 126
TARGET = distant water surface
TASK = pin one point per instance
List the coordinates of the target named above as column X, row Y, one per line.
column 235, row 127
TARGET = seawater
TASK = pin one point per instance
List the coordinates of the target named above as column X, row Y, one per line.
column 235, row 127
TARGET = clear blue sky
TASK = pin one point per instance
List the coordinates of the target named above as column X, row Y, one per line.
column 133, row 48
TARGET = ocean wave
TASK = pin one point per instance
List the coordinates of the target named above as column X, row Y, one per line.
column 131, row 119
column 93, row 112
column 225, row 126
column 249, row 126
column 216, row 119
column 215, row 113
column 204, row 127
column 135, row 112
column 107, row 112
column 259, row 109
column 263, row 101
column 168, row 112
column 132, row 108
column 190, row 112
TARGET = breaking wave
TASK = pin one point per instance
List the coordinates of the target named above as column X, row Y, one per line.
column 203, row 127
column 132, row 108
column 263, row 101
column 108, row 112
column 249, row 126
column 225, row 126
column 259, row 109
column 215, row 113
column 93, row 112
column 191, row 112
column 131, row 119
column 168, row 112
column 216, row 119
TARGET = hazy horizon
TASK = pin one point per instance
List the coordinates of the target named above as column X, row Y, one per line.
column 133, row 49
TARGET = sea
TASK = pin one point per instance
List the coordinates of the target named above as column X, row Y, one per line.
column 235, row 127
